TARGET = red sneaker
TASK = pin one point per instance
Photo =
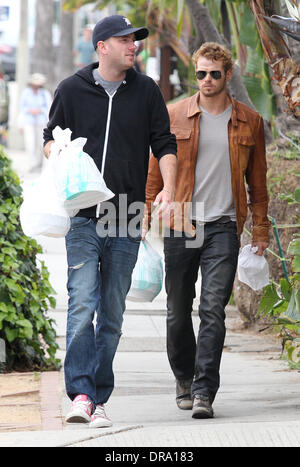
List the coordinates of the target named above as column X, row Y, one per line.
column 99, row 418
column 81, row 410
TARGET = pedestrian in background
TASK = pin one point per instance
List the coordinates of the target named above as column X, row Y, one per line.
column 84, row 50
column 35, row 103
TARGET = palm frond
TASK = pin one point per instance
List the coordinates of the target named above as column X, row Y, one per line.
column 294, row 9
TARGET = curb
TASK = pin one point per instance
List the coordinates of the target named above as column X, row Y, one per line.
column 50, row 400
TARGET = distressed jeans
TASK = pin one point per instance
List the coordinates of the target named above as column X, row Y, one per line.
column 190, row 359
column 99, row 278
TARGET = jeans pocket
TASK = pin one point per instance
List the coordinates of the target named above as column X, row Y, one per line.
column 175, row 245
column 231, row 227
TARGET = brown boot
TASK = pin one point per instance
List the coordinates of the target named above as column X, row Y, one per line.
column 183, row 395
column 202, row 407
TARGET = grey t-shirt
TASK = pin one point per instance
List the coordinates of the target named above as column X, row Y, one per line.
column 109, row 86
column 212, row 196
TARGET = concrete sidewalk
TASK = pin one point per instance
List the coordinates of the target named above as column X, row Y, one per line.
column 257, row 405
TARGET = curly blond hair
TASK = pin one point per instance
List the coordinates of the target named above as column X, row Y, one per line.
column 216, row 52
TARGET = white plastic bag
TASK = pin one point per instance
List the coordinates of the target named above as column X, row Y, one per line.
column 252, row 269
column 147, row 276
column 42, row 212
column 78, row 180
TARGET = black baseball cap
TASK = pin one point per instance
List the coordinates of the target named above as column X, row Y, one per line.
column 116, row 26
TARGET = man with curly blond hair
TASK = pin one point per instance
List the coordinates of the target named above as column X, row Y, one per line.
column 221, row 149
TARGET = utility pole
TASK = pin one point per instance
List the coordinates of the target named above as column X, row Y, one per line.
column 22, row 70
column 15, row 139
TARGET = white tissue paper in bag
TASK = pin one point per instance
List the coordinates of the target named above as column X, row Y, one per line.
column 147, row 276
column 42, row 212
column 78, row 180
column 252, row 269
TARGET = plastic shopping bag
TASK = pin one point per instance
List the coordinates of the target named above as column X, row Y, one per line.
column 147, row 276
column 42, row 212
column 253, row 270
column 78, row 180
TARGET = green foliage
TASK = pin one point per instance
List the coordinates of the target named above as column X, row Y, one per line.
column 282, row 302
column 291, row 148
column 136, row 10
column 247, row 45
column 25, row 291
column 71, row 5
column 287, row 147
column 251, row 57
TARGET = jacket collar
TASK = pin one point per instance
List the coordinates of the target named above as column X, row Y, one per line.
column 237, row 111
column 87, row 72
column 194, row 105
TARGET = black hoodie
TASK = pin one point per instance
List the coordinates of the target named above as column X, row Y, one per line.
column 139, row 119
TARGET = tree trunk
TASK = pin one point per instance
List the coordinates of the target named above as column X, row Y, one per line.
column 226, row 23
column 65, row 61
column 165, row 72
column 284, row 121
column 43, row 53
column 285, row 69
column 22, row 67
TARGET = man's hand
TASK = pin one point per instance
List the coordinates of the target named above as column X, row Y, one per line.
column 47, row 148
column 261, row 247
column 164, row 200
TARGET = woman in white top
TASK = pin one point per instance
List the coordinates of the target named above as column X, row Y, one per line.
column 34, row 107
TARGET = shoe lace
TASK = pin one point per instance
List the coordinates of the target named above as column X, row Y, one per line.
column 100, row 412
column 82, row 404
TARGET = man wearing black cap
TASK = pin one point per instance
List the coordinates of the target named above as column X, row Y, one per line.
column 121, row 113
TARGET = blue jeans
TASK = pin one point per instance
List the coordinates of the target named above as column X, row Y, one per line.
column 99, row 278
column 190, row 359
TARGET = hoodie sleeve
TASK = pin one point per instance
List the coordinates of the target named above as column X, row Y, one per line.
column 56, row 117
column 161, row 139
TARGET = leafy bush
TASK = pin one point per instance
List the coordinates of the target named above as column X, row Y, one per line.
column 25, row 291
column 282, row 301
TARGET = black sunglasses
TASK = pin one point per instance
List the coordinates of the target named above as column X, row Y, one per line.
column 216, row 74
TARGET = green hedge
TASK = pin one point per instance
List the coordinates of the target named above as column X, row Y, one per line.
column 25, row 291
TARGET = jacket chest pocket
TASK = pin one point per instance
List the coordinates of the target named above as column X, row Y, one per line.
column 245, row 147
column 184, row 144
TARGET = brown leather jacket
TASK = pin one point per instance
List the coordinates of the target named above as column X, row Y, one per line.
column 248, row 163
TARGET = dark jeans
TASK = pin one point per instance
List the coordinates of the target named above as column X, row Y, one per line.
column 99, row 277
column 217, row 258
